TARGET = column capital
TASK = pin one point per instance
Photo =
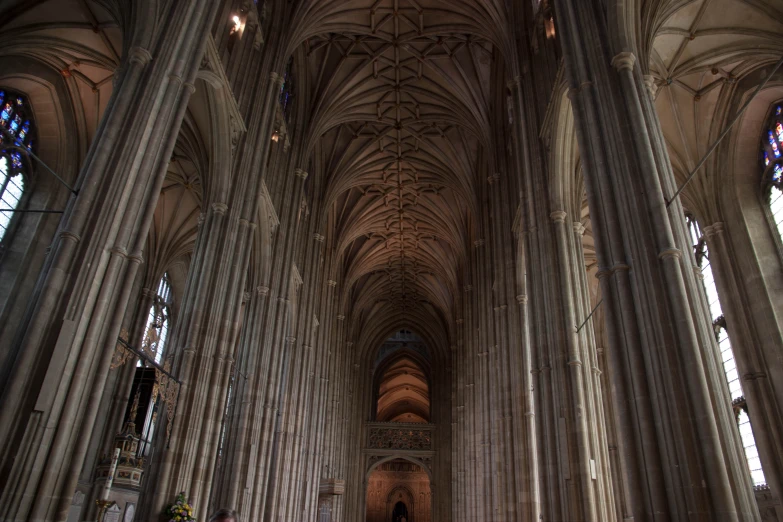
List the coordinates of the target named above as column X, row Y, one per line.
column 140, row 56
column 558, row 216
column 340, row 317
column 649, row 82
column 494, row 178
column 624, row 60
column 276, row 78
column 332, row 283
column 579, row 228
column 514, row 82
column 290, row 340
column 299, row 173
column 477, row 243
column 714, row 229
column 262, row 290
column 318, row 237
column 219, row 208
column 670, row 252
column 521, row 299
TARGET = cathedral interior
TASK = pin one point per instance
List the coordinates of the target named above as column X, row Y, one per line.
column 391, row 260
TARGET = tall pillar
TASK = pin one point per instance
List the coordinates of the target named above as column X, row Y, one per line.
column 66, row 343
column 676, row 461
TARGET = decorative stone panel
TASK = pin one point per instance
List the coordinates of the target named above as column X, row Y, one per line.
column 397, row 436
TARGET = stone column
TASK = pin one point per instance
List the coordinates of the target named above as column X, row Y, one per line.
column 95, row 258
column 676, row 462
column 575, row 376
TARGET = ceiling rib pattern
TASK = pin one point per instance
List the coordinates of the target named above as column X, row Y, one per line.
column 700, row 50
column 399, row 123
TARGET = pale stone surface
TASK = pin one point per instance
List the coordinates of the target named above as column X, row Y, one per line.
column 418, row 251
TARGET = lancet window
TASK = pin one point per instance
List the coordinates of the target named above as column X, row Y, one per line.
column 156, row 330
column 727, row 354
column 287, row 89
column 772, row 155
column 16, row 133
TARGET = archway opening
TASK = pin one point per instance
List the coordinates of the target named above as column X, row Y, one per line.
column 402, row 388
column 398, row 491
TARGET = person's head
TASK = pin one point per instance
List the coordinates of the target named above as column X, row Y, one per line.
column 224, row 515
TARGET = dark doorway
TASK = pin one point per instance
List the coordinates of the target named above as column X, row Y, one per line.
column 400, row 513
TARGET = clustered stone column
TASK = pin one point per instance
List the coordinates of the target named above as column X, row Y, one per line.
column 70, row 337
column 679, row 461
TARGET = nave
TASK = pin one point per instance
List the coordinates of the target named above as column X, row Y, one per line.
column 391, row 260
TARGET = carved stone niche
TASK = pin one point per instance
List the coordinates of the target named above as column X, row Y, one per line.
column 331, row 487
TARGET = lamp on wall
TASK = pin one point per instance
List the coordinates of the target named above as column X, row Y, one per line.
column 275, row 136
column 237, row 24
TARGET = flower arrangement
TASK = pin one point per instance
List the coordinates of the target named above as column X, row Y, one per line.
column 180, row 511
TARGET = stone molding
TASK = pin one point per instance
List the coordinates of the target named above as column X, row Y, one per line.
column 558, row 216
column 624, row 60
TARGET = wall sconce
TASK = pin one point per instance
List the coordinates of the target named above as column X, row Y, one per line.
column 549, row 26
column 235, row 28
column 275, row 136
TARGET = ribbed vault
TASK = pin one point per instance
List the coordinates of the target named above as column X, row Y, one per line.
column 403, row 393
column 700, row 51
column 399, row 126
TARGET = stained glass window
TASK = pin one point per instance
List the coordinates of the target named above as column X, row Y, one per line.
column 16, row 131
column 772, row 166
column 156, row 331
column 287, row 89
column 724, row 345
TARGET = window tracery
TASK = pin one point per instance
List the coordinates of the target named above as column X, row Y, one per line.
column 18, row 128
column 156, row 330
column 701, row 252
column 287, row 89
column 772, row 168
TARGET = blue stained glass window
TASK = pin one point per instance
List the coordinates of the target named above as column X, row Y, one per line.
column 772, row 177
column 16, row 130
column 773, row 144
column 287, row 89
column 6, row 114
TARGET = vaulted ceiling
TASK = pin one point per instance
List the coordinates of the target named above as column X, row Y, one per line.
column 400, row 127
column 403, row 393
column 701, row 48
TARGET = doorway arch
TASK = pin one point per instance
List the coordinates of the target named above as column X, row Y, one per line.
column 395, row 486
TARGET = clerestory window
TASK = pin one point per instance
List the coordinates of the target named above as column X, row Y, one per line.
column 156, row 330
column 727, row 354
column 772, row 166
column 17, row 129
